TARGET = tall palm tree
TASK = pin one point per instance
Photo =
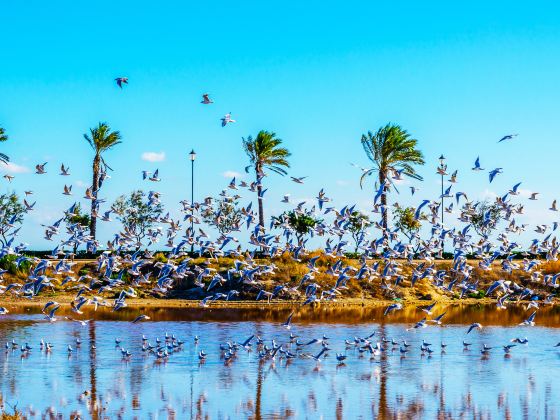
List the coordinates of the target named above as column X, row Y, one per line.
column 391, row 149
column 3, row 137
column 101, row 139
column 264, row 152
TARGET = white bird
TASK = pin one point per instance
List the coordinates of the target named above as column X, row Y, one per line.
column 141, row 318
column 226, row 119
column 298, row 180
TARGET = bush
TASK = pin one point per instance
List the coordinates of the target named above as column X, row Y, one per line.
column 9, row 263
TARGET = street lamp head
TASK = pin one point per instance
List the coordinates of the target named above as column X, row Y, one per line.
column 192, row 154
column 441, row 159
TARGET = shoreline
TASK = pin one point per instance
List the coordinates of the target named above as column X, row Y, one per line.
column 279, row 304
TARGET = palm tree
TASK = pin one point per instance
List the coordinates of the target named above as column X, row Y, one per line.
column 392, row 150
column 101, row 139
column 264, row 153
column 3, row 137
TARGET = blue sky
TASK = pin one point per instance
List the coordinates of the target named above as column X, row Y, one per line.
column 319, row 74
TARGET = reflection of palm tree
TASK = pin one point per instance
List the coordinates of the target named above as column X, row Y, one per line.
column 258, row 398
column 383, row 412
column 92, row 371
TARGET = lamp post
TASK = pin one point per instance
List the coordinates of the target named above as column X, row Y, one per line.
column 442, row 168
column 192, row 155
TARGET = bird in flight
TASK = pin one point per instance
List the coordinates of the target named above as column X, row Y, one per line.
column 226, row 119
column 206, row 99
column 298, row 180
column 477, row 166
column 121, row 80
column 507, row 137
column 40, row 169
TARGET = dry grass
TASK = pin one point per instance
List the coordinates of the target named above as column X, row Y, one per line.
column 290, row 272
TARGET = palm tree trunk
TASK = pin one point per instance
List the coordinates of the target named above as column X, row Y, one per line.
column 94, row 188
column 385, row 210
column 259, row 192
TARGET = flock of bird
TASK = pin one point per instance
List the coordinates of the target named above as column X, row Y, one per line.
column 126, row 265
column 291, row 347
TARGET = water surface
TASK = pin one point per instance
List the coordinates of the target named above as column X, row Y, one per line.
column 100, row 383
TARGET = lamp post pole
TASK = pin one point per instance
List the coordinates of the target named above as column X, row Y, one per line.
column 442, row 168
column 192, row 155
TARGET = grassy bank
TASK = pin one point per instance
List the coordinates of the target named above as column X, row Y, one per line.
column 371, row 290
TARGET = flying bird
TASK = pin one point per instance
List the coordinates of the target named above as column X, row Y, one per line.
column 477, row 166
column 507, row 137
column 226, row 119
column 206, row 99
column 121, row 80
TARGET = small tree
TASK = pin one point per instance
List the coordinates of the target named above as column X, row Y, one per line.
column 79, row 218
column 405, row 221
column 301, row 224
column 136, row 214
column 11, row 215
column 225, row 215
column 357, row 225
column 485, row 217
column 3, row 137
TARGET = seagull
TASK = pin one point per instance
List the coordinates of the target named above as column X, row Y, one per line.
column 492, row 174
column 437, row 319
column 298, row 180
column 40, row 169
column 473, row 326
column 3, row 311
column 206, row 99
column 141, row 318
column 155, row 176
column 393, row 307
column 9, row 177
column 64, row 171
column 428, row 309
column 226, row 119
column 553, row 206
column 477, row 165
column 121, row 80
column 507, row 137
column 514, row 191
column 530, row 321
column 341, row 357
column 288, row 323
column 534, row 196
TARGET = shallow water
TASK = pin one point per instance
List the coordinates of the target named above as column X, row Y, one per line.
column 100, row 383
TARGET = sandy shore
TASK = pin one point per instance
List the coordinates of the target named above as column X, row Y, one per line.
column 281, row 304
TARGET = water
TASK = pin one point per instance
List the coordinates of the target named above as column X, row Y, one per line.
column 99, row 383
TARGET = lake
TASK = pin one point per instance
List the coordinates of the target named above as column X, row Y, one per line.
column 96, row 381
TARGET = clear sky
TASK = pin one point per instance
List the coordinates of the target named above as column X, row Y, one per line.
column 458, row 76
